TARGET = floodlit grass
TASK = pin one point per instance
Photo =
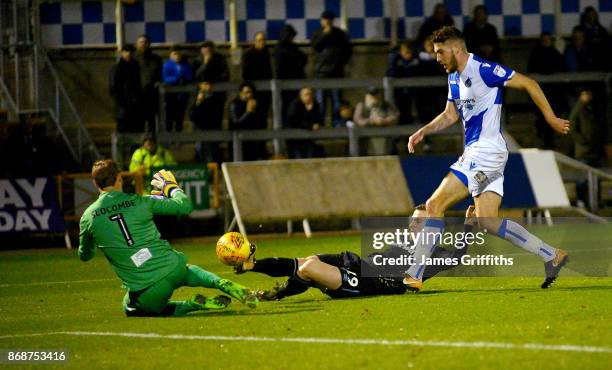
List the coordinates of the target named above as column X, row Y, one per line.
column 50, row 291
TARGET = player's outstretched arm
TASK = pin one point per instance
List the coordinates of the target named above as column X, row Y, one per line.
column 169, row 198
column 522, row 82
column 179, row 204
column 442, row 121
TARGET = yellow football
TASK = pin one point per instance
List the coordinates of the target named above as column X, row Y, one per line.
column 233, row 248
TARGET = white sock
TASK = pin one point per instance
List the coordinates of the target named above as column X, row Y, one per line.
column 426, row 245
column 519, row 236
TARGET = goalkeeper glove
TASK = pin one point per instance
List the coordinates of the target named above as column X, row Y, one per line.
column 164, row 183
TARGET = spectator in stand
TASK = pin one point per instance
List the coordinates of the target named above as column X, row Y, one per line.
column 597, row 38
column 303, row 113
column 176, row 72
column 206, row 113
column 150, row 75
column 403, row 62
column 256, row 60
column 578, row 56
column 346, row 114
column 332, row 52
column 150, row 155
column 374, row 111
column 126, row 91
column 585, row 132
column 481, row 36
column 244, row 115
column 430, row 101
column 290, row 62
column 546, row 59
column 210, row 65
column 256, row 66
column 439, row 18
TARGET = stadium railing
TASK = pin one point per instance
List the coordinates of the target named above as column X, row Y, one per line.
column 236, row 138
column 388, row 84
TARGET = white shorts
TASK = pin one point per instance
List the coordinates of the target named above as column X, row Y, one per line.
column 481, row 171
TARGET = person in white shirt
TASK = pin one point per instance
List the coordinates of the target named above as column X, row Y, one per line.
column 475, row 96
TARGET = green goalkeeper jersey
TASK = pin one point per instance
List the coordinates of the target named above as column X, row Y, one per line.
column 121, row 225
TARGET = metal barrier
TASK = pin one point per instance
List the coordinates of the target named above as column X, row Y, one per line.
column 592, row 177
column 388, row 84
column 236, row 138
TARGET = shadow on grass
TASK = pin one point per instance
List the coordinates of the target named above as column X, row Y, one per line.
column 250, row 312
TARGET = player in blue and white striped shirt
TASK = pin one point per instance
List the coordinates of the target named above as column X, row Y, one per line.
column 475, row 96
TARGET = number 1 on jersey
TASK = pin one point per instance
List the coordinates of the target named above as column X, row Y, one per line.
column 123, row 226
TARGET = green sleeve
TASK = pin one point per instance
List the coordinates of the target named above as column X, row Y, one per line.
column 137, row 160
column 179, row 204
column 87, row 248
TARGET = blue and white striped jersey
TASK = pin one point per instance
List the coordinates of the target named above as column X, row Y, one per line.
column 477, row 94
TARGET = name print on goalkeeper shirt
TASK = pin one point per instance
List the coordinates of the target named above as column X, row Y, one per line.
column 114, row 208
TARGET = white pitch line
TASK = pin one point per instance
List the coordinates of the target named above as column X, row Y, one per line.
column 377, row 342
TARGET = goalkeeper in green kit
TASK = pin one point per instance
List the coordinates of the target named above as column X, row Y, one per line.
column 121, row 225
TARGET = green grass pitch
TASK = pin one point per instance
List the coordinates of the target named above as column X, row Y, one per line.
column 51, row 291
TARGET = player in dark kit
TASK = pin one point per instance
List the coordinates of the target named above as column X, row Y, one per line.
column 121, row 225
column 346, row 274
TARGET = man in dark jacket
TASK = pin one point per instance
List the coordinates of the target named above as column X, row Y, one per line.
column 245, row 115
column 290, row 62
column 150, row 74
column 332, row 52
column 481, row 36
column 596, row 38
column 126, row 91
column 303, row 113
column 587, row 147
column 256, row 66
column 546, row 59
column 206, row 113
column 438, row 19
column 210, row 65
column 403, row 62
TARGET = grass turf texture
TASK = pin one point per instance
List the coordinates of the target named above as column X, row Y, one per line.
column 576, row 311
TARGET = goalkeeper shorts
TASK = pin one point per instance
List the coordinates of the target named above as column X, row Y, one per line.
column 153, row 300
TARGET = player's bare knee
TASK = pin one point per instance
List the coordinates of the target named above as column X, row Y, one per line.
column 490, row 224
column 433, row 207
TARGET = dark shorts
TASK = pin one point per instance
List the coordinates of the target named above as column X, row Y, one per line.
column 356, row 285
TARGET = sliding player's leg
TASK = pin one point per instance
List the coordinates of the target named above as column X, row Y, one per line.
column 452, row 189
column 320, row 274
column 289, row 267
column 311, row 272
column 272, row 266
column 198, row 277
column 487, row 206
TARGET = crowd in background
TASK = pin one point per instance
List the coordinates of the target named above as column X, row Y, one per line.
column 134, row 78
